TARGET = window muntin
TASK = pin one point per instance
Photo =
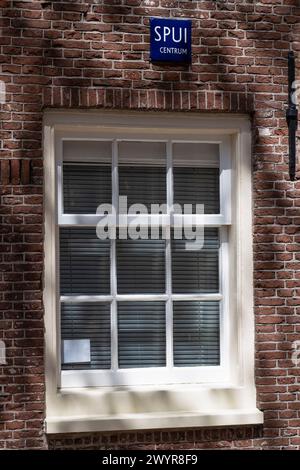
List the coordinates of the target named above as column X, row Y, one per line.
column 147, row 286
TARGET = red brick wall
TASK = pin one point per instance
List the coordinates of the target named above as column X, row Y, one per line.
column 94, row 53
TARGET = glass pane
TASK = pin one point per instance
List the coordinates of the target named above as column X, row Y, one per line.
column 86, row 187
column 196, row 271
column 87, row 151
column 84, row 262
column 86, row 175
column 196, row 175
column 196, row 333
column 141, row 266
column 196, row 154
column 142, row 173
column 142, row 334
column 85, row 331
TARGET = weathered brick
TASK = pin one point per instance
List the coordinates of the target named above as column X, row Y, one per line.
column 79, row 55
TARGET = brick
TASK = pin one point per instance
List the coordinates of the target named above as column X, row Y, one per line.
column 5, row 172
column 84, row 55
column 15, row 171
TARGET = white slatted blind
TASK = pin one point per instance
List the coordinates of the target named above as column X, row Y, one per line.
column 141, row 334
column 142, row 172
column 88, row 321
column 84, row 262
column 143, row 185
column 140, row 267
column 196, row 333
column 197, row 186
column 196, row 271
column 85, row 187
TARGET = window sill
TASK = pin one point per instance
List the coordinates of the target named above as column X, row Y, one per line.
column 233, row 417
column 135, row 408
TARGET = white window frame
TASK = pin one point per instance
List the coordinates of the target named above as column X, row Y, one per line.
column 154, row 375
column 236, row 370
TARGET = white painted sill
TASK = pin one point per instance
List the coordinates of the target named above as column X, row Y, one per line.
column 143, row 421
column 119, row 409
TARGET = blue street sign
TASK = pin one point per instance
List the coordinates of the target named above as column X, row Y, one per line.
column 170, row 40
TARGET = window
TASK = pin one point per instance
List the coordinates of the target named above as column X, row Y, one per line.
column 146, row 302
column 147, row 261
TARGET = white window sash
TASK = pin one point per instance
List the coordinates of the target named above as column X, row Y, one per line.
column 208, row 219
column 143, row 376
column 144, row 220
column 168, row 374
